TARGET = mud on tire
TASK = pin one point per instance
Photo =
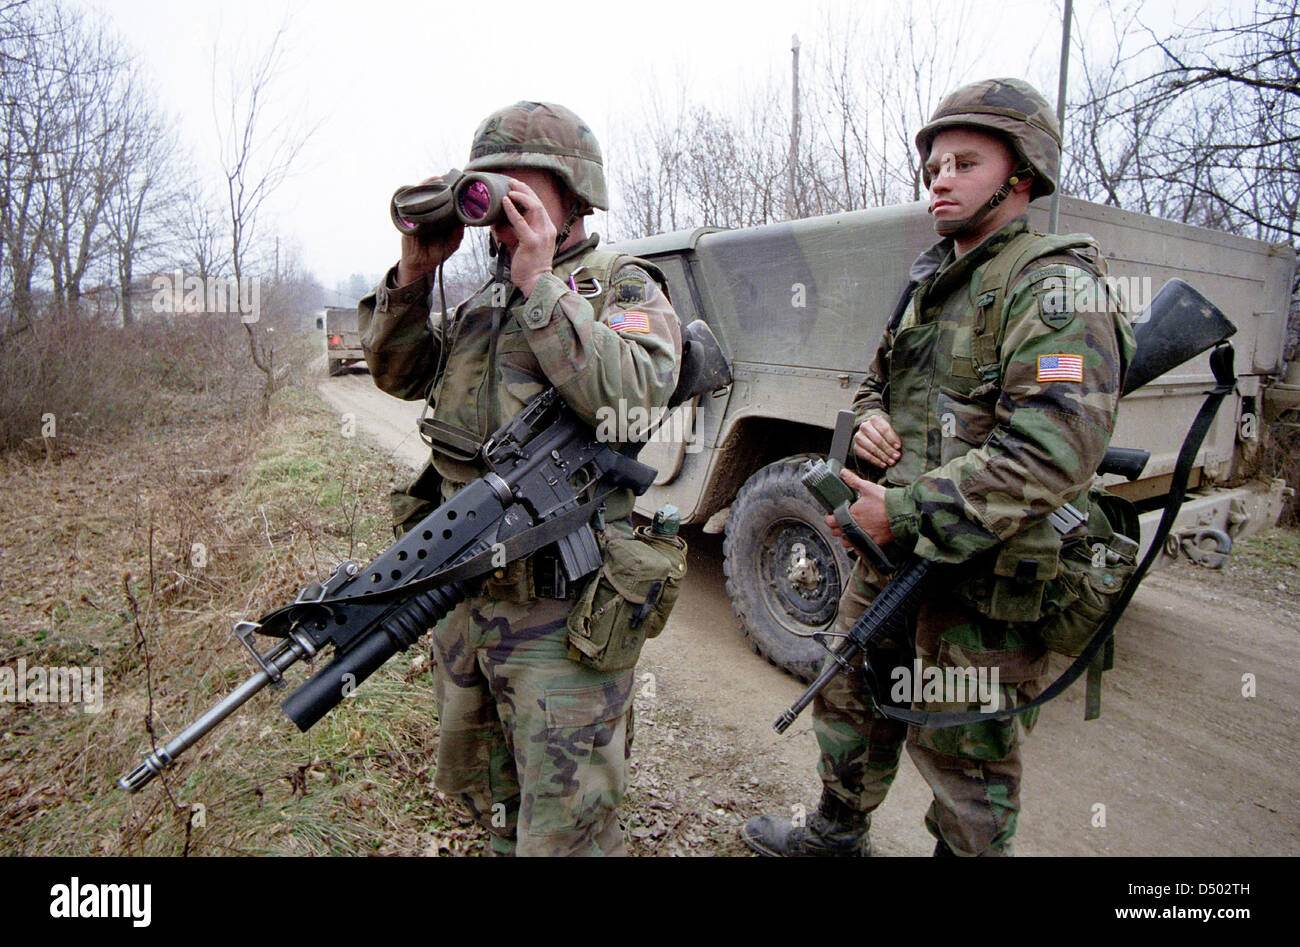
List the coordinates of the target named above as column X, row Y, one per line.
column 784, row 569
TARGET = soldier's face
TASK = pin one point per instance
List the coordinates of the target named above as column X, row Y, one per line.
column 966, row 166
column 543, row 184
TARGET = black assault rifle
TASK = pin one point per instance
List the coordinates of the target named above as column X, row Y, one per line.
column 1178, row 325
column 548, row 475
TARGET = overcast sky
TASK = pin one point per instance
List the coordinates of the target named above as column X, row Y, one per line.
column 397, row 88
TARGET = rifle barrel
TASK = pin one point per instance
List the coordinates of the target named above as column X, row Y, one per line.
column 844, row 653
column 283, row 656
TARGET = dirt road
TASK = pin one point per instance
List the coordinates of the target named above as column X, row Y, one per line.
column 1182, row 761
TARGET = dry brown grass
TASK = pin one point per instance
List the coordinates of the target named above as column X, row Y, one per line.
column 95, row 381
column 105, row 573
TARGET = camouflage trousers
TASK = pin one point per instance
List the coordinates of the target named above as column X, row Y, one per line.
column 534, row 744
column 973, row 770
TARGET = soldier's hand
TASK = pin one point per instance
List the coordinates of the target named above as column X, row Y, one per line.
column 423, row 256
column 877, row 443
column 868, row 511
column 535, row 232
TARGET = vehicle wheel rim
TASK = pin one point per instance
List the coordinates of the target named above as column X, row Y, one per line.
column 800, row 578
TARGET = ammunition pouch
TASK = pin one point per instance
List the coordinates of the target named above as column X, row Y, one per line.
column 1008, row 584
column 628, row 600
column 1066, row 587
column 1021, row 572
column 525, row 580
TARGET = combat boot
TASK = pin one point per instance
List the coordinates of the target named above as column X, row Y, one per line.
column 833, row 830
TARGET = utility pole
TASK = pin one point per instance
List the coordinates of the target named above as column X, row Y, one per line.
column 1060, row 109
column 791, row 205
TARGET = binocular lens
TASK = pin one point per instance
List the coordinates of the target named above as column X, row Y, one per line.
column 475, row 200
column 433, row 207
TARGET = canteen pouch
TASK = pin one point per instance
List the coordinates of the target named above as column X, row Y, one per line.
column 1094, row 570
column 628, row 599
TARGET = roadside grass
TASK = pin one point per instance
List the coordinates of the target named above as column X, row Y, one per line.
column 1276, row 549
column 136, row 557
column 1262, row 571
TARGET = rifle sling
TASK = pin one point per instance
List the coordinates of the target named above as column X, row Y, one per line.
column 1221, row 361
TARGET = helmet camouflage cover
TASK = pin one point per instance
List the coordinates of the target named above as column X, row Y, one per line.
column 1011, row 109
column 545, row 136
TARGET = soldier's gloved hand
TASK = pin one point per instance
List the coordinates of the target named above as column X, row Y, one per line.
column 877, row 443
column 533, row 243
column 420, row 257
column 868, row 511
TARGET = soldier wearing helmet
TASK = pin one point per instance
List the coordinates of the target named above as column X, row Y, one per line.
column 533, row 741
column 988, row 406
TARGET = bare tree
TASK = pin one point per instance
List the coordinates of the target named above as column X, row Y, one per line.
column 873, row 90
column 84, row 152
column 647, row 171
column 1207, row 132
column 28, row 89
column 146, row 188
column 203, row 235
column 83, row 162
column 867, row 91
column 254, row 162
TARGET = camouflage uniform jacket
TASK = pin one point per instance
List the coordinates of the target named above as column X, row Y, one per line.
column 987, row 454
column 608, row 341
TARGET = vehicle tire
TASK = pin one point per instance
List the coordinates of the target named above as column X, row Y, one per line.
column 336, row 366
column 784, row 569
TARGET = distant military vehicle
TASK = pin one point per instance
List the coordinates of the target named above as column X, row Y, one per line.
column 342, row 340
column 799, row 307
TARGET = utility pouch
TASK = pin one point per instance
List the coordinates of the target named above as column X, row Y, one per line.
column 1094, row 570
column 628, row 599
column 416, row 500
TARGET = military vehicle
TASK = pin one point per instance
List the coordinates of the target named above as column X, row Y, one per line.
column 799, row 308
column 342, row 340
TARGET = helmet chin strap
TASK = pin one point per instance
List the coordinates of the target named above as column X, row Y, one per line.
column 951, row 228
column 563, row 235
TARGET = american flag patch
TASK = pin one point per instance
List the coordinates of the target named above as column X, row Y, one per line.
column 1060, row 368
column 629, row 322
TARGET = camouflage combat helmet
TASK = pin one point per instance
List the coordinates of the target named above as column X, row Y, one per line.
column 546, row 136
column 1016, row 112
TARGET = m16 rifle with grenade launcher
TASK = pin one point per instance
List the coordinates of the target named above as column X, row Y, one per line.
column 548, row 474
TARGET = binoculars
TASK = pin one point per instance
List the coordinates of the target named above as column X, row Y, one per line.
column 472, row 199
